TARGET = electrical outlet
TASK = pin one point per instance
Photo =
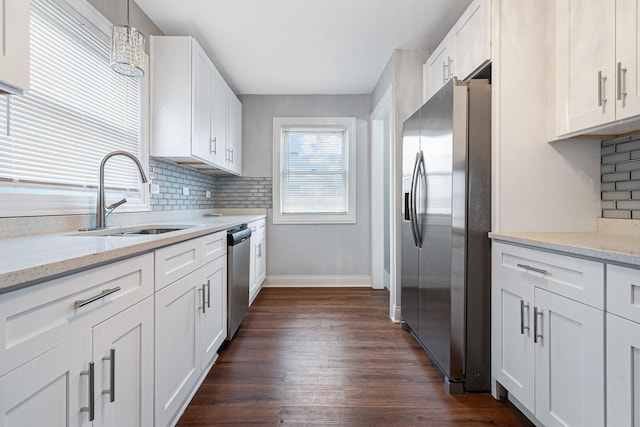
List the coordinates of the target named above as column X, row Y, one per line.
column 185, row 191
column 154, row 189
column 207, row 194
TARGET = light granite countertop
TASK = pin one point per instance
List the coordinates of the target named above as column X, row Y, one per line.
column 616, row 241
column 30, row 260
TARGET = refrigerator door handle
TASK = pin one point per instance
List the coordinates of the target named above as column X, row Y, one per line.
column 420, row 173
column 412, row 200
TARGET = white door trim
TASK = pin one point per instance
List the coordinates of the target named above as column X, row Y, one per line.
column 385, row 107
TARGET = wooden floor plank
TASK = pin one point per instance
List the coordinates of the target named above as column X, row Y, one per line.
column 319, row 356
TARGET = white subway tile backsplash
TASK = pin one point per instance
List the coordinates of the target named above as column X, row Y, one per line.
column 615, row 158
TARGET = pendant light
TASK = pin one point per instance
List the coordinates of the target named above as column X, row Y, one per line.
column 127, row 48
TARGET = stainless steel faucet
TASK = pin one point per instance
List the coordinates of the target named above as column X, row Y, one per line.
column 101, row 211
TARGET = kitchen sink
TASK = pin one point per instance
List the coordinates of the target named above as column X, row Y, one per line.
column 148, row 231
column 143, row 230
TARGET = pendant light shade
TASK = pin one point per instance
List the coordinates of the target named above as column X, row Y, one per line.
column 127, row 49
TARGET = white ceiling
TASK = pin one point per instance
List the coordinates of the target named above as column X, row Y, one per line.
column 305, row 46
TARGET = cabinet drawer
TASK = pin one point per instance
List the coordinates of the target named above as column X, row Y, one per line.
column 575, row 278
column 214, row 246
column 623, row 292
column 37, row 318
column 176, row 261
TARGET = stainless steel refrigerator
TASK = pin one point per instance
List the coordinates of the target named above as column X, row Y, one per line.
column 446, row 215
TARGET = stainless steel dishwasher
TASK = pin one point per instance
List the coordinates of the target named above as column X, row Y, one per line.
column 238, row 245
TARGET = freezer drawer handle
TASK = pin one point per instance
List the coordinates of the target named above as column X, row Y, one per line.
column 83, row 302
column 529, row 268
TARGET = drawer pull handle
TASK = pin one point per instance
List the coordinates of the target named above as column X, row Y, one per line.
column 91, row 408
column 112, row 376
column 536, row 335
column 204, row 302
column 83, row 302
column 529, row 268
column 522, row 307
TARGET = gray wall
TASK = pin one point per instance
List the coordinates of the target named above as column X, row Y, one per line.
column 342, row 249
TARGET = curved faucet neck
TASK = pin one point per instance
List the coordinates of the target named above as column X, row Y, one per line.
column 100, row 210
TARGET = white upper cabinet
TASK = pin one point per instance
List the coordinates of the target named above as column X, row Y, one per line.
column 472, row 35
column 439, row 67
column 465, row 49
column 627, row 58
column 14, row 46
column 596, row 66
column 190, row 106
column 234, row 134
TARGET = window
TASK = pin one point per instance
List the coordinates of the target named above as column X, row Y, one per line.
column 314, row 174
column 77, row 109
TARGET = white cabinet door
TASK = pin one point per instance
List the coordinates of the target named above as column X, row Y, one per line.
column 569, row 362
column 201, row 138
column 473, row 39
column 623, row 372
column 14, row 46
column 50, row 389
column 123, row 357
column 627, row 58
column 440, row 66
column 177, row 345
column 585, row 64
column 234, row 136
column 213, row 316
column 512, row 319
column 219, row 123
column 261, row 264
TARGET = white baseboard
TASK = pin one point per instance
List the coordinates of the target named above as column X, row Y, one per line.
column 396, row 314
column 291, row 281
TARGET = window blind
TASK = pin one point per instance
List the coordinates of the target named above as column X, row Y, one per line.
column 314, row 171
column 76, row 111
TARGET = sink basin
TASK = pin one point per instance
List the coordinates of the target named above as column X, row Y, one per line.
column 142, row 230
column 148, row 231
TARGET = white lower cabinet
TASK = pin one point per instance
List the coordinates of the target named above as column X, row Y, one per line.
column 258, row 258
column 569, row 362
column 623, row 372
column 177, row 346
column 54, row 389
column 123, row 358
column 51, row 389
column 190, row 326
column 548, row 349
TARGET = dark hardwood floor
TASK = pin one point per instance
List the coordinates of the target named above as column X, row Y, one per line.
column 331, row 357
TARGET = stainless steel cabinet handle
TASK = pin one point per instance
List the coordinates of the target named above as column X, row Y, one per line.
column 522, row 326
column 112, row 375
column 449, row 61
column 204, row 303
column 208, row 293
column 536, row 335
column 91, row 409
column 529, row 268
column 621, row 86
column 213, row 145
column 259, row 250
column 444, row 72
column 83, row 302
column 601, row 87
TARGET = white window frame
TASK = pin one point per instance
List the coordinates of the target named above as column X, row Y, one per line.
column 24, row 200
column 280, row 125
